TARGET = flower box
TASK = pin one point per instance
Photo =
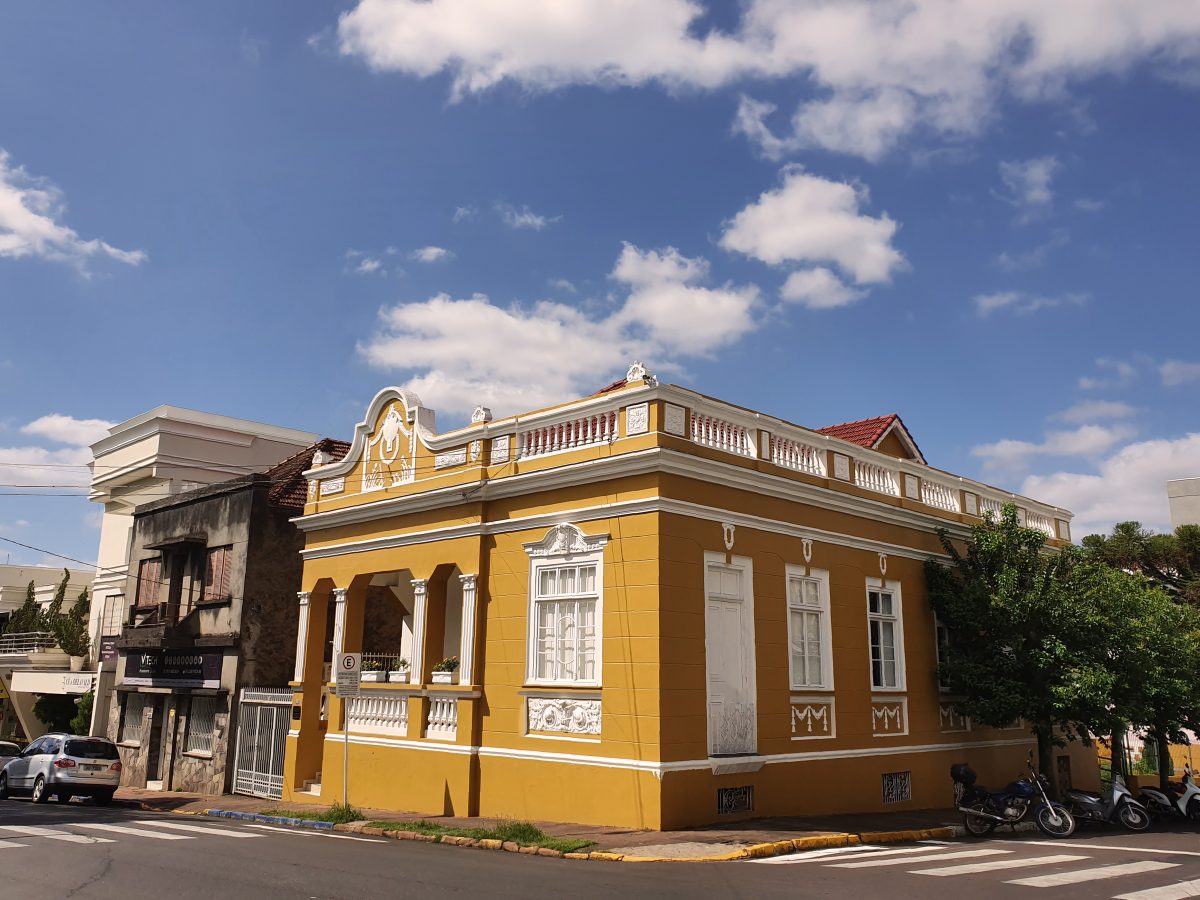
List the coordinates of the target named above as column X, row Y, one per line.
column 375, row 676
column 444, row 677
column 398, row 676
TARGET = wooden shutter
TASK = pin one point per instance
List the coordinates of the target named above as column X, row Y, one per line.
column 149, row 582
column 216, row 574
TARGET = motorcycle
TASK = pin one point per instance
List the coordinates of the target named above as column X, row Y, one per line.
column 1177, row 803
column 984, row 809
column 1117, row 805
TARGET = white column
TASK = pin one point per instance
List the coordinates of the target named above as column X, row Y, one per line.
column 301, row 635
column 339, row 623
column 418, row 629
column 466, row 654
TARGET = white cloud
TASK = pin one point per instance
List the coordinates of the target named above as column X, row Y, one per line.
column 563, row 284
column 881, row 69
column 68, row 430
column 1021, row 303
column 1086, row 441
column 1122, row 373
column 368, row 265
column 1087, row 204
column 524, row 217
column 554, row 350
column 465, row 214
column 1032, row 258
column 37, row 466
column 809, row 219
column 1027, row 185
column 431, row 254
column 1092, row 410
column 31, row 210
column 1130, row 484
column 818, row 289
column 1175, row 372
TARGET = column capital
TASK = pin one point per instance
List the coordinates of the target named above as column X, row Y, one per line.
column 468, row 581
column 339, row 595
column 419, row 585
column 303, row 596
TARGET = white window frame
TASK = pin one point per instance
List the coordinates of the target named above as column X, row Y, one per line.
column 536, row 567
column 745, row 565
column 897, row 617
column 821, row 577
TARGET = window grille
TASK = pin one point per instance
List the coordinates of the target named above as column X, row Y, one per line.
column 131, row 717
column 897, row 787
column 216, row 573
column 735, row 800
column 201, row 725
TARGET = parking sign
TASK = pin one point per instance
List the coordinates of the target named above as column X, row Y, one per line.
column 349, row 673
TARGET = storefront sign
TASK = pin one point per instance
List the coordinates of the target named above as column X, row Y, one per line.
column 77, row 683
column 174, row 668
column 108, row 647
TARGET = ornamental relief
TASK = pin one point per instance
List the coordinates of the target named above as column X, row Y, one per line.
column 812, row 717
column 389, row 458
column 562, row 715
column 950, row 719
column 889, row 716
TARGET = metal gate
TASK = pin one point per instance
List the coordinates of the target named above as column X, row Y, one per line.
column 263, row 715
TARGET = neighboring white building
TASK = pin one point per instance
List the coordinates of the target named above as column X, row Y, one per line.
column 1183, row 496
column 159, row 453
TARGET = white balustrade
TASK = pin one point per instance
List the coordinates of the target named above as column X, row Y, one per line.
column 875, row 478
column 709, row 431
column 991, row 505
column 1042, row 523
column 378, row 713
column 798, row 456
column 443, row 718
column 940, row 495
column 579, row 432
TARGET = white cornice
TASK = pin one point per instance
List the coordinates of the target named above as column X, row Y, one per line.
column 160, row 419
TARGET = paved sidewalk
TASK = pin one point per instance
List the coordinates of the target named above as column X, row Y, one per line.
column 708, row 841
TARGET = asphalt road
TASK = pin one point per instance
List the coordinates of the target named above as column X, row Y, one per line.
column 82, row 851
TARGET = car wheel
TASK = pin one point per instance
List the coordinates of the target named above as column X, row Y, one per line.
column 3, row 785
column 103, row 798
column 40, row 794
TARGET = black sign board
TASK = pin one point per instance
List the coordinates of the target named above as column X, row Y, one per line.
column 108, row 647
column 174, row 668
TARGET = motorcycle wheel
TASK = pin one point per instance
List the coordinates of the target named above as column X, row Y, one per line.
column 1133, row 817
column 978, row 826
column 1193, row 810
column 1055, row 821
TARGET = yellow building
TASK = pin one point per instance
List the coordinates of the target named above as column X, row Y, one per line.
column 666, row 610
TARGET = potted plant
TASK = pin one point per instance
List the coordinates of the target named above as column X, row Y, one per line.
column 372, row 670
column 398, row 673
column 443, row 672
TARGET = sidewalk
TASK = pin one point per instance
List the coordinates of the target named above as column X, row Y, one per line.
column 704, row 842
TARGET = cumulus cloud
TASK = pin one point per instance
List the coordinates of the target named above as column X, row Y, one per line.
column 809, row 221
column 68, row 430
column 553, row 350
column 1086, row 441
column 1021, row 303
column 31, row 210
column 38, row 466
column 431, row 254
column 1128, row 484
column 524, row 217
column 1092, row 410
column 1175, row 372
column 879, row 69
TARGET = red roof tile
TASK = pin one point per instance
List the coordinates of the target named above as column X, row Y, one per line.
column 290, row 488
column 864, row 432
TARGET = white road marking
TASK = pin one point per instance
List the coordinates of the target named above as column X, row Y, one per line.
column 54, row 834
column 855, row 850
column 1115, row 847
column 303, row 833
column 1095, row 874
column 136, row 832
column 997, row 864
column 4, row 845
column 1178, row 891
column 905, row 860
column 198, row 829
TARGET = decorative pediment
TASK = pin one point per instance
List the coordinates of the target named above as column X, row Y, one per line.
column 566, row 540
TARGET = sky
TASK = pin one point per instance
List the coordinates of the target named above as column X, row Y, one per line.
column 979, row 215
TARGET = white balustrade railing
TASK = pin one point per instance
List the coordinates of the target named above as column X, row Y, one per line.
column 578, row 432
column 378, row 713
column 940, row 495
column 797, row 455
column 442, row 721
column 709, row 431
column 875, row 478
column 991, row 505
column 1042, row 523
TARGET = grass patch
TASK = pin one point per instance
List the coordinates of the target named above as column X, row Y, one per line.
column 339, row 814
column 524, row 833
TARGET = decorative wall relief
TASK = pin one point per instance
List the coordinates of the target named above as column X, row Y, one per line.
column 564, row 540
column 971, row 504
column 562, row 715
column 674, row 421
column 812, row 717
column 637, row 419
column 450, row 458
column 912, row 486
column 333, row 486
column 949, row 719
column 312, row 489
column 499, row 450
column 889, row 715
column 841, row 467
column 389, row 456
column 474, row 449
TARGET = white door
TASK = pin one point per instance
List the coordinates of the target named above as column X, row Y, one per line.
column 729, row 660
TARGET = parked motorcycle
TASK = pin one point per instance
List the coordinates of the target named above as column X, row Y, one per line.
column 1181, row 802
column 983, row 809
column 1117, row 805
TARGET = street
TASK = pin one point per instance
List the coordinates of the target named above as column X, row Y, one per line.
column 82, row 851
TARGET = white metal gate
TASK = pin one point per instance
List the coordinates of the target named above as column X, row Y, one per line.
column 263, row 715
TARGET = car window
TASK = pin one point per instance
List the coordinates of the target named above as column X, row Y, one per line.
column 34, row 749
column 51, row 745
column 91, row 749
column 9, row 750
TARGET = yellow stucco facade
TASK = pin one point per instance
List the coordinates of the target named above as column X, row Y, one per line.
column 666, row 610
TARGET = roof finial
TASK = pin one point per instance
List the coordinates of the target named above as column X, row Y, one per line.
column 481, row 414
column 638, row 372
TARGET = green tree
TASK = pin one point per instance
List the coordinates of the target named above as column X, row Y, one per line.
column 28, row 616
column 71, row 630
column 82, row 723
column 1170, row 561
column 55, row 711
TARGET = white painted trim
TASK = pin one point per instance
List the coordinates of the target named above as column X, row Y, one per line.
column 339, row 622
column 416, row 665
column 301, row 635
column 541, row 558
column 466, row 653
column 338, row 737
column 893, row 587
column 821, row 576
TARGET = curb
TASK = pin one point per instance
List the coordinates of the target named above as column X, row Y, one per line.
column 272, row 820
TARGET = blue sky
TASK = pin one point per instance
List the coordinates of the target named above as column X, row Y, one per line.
column 979, row 215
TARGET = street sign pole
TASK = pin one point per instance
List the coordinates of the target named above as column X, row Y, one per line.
column 349, row 676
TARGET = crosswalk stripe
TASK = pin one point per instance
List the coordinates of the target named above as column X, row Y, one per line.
column 322, row 833
column 136, row 832
column 997, row 864
column 857, row 851
column 1178, row 891
column 905, row 860
column 197, row 829
column 4, row 845
column 1094, row 874
column 1117, row 847
column 55, row 835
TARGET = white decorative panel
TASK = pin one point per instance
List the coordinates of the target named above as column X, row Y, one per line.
column 312, row 489
column 971, row 502
column 333, row 486
column 450, row 458
column 912, row 487
column 812, row 717
column 949, row 719
column 637, row 419
column 562, row 715
column 1064, row 530
column 841, row 467
column 474, row 449
column 499, row 450
column 674, row 421
column 889, row 716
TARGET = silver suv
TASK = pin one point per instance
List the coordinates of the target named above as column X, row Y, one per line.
column 64, row 766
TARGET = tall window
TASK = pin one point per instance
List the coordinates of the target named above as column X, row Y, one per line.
column 885, row 633
column 201, row 725
column 564, row 615
column 149, row 584
column 216, row 573
column 809, row 629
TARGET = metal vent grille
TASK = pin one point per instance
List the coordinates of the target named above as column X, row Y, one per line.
column 735, row 800
column 897, row 787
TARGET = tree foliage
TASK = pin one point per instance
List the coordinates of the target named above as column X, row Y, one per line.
column 1170, row 561
column 82, row 723
column 70, row 629
column 28, row 616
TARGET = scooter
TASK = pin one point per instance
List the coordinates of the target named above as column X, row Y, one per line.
column 1179, row 803
column 984, row 809
column 1117, row 805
